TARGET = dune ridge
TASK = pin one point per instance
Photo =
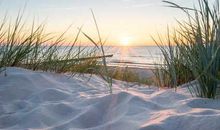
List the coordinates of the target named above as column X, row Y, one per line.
column 40, row 100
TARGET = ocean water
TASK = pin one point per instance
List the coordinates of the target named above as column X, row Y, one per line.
column 138, row 57
column 141, row 57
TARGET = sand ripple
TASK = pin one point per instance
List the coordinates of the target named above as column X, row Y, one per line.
column 37, row 100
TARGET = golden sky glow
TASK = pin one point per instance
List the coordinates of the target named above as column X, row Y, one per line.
column 121, row 22
column 126, row 40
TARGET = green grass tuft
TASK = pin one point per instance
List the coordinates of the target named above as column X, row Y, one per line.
column 193, row 51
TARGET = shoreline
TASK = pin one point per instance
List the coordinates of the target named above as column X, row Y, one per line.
column 142, row 73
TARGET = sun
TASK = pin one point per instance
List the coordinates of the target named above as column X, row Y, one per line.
column 125, row 41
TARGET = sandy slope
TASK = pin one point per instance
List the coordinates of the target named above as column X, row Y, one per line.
column 36, row 100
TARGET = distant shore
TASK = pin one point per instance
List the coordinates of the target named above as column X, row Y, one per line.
column 142, row 73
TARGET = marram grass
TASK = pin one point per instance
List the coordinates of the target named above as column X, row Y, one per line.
column 38, row 50
column 33, row 48
column 196, row 53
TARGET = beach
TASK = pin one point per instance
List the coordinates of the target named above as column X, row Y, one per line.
column 142, row 73
column 110, row 65
column 50, row 101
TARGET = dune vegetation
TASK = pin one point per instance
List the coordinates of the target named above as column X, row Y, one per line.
column 191, row 52
column 37, row 49
column 34, row 48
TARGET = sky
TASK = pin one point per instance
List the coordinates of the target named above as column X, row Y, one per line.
column 121, row 22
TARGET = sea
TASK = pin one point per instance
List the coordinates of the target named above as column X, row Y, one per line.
column 128, row 56
column 138, row 57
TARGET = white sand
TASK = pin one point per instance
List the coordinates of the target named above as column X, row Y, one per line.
column 37, row 100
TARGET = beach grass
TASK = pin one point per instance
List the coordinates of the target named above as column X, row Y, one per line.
column 193, row 51
column 128, row 74
column 103, row 71
column 37, row 49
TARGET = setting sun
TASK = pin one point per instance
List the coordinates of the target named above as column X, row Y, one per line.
column 125, row 41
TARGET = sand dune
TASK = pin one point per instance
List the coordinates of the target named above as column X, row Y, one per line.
column 39, row 100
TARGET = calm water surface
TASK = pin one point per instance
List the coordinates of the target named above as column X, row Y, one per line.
column 145, row 56
column 141, row 57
